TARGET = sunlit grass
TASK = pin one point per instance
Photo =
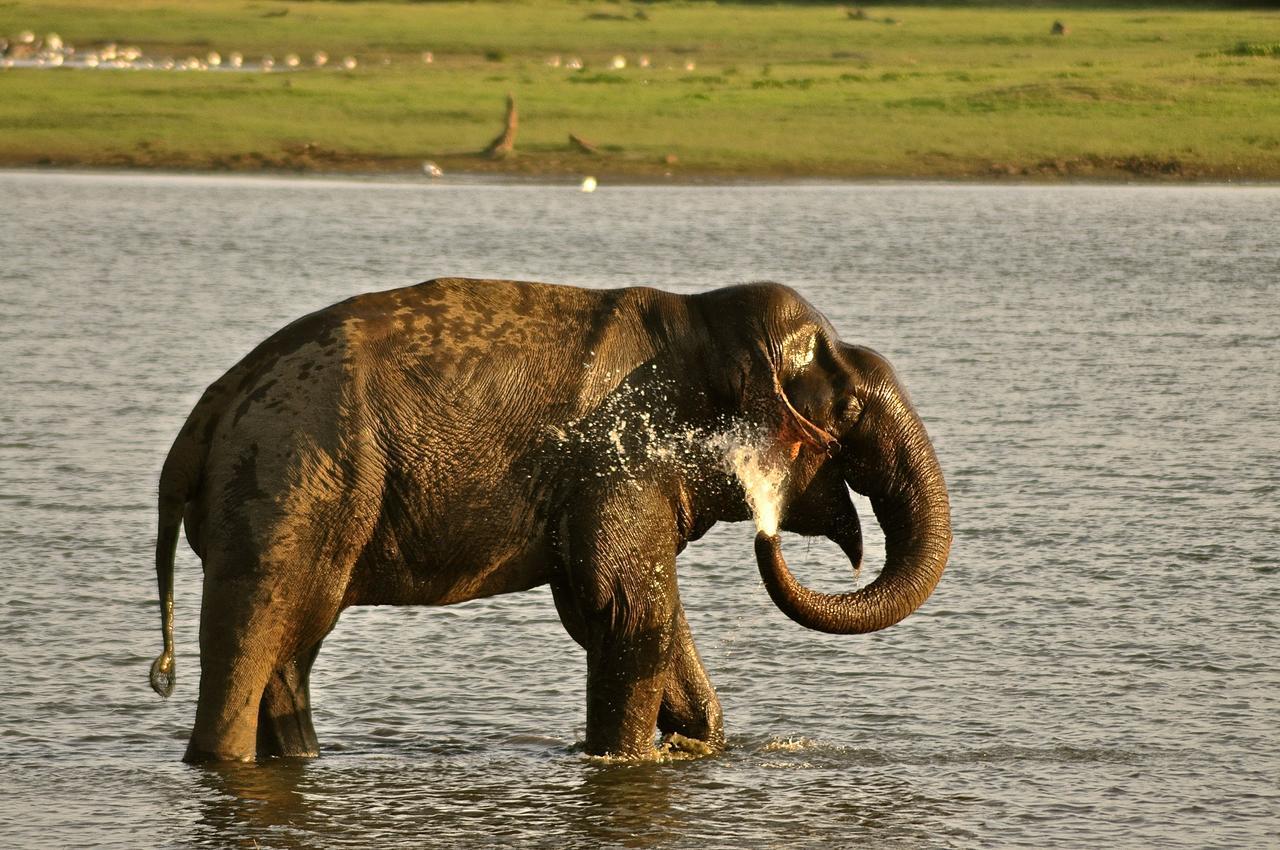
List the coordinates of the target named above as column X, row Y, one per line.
column 968, row 91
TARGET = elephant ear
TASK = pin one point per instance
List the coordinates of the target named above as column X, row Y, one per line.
column 756, row 386
column 793, row 395
column 775, row 376
column 797, row 431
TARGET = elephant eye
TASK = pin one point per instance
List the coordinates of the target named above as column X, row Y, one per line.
column 847, row 408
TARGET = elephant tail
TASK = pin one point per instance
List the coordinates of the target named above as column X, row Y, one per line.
column 183, row 469
column 163, row 669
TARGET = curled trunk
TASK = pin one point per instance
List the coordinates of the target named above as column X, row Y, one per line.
column 913, row 511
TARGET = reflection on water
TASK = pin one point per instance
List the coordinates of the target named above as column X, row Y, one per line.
column 1097, row 667
column 248, row 800
column 581, row 802
column 631, row 805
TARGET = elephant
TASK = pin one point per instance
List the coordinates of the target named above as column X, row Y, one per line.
column 461, row 438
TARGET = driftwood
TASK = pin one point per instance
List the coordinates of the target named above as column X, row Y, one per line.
column 504, row 145
column 580, row 144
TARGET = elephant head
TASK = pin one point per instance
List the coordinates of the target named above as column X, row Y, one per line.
column 840, row 415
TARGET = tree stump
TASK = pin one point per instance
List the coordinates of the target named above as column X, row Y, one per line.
column 504, row 145
column 582, row 145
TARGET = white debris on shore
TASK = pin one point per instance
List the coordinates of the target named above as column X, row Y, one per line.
column 28, row 50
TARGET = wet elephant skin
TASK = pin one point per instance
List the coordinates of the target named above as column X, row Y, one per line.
column 464, row 438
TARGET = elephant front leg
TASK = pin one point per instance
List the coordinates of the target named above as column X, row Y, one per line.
column 617, row 597
column 626, row 674
column 690, row 718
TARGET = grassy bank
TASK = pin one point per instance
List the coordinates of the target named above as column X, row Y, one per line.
column 907, row 91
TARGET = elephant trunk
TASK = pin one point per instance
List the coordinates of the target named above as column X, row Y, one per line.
column 911, row 505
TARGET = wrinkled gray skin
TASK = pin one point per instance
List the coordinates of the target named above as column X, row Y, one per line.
column 464, row 438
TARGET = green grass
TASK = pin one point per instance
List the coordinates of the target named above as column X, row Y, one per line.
column 1148, row 92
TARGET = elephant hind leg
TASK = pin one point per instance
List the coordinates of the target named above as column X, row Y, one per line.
column 233, row 675
column 284, row 714
column 253, row 670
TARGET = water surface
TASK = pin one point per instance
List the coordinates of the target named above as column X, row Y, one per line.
column 1098, row 667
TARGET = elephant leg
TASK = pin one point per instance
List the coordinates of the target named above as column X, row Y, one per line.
column 625, row 677
column 276, row 575
column 617, row 590
column 690, row 707
column 285, row 728
column 238, row 644
column 284, row 714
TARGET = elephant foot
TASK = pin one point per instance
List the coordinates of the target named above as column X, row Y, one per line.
column 675, row 743
column 196, row 755
column 673, row 747
column 277, row 751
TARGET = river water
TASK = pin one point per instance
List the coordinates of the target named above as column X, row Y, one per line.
column 1100, row 666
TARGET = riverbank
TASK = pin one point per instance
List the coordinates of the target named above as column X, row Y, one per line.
column 651, row 90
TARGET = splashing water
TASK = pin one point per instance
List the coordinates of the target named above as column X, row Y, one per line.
column 762, row 472
column 625, row 424
column 790, row 745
